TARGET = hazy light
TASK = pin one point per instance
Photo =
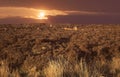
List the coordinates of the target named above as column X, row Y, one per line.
column 42, row 15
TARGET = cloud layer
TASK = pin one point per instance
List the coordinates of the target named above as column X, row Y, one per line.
column 26, row 12
column 34, row 13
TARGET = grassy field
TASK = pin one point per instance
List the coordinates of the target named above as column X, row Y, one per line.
column 59, row 50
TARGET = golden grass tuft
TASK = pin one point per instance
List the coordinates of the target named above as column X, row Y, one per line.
column 4, row 70
column 54, row 69
column 115, row 66
column 81, row 69
column 33, row 72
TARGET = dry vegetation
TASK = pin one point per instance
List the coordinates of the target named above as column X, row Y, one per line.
column 43, row 50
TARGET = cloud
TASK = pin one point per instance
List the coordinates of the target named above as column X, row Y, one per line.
column 27, row 12
column 34, row 13
column 13, row 12
column 83, row 12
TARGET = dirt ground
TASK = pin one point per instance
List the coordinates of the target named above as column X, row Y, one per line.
column 26, row 45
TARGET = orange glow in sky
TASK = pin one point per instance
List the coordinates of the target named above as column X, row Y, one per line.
column 28, row 12
column 38, row 13
column 42, row 15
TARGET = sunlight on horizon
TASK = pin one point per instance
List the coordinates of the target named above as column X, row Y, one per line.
column 28, row 12
column 33, row 13
column 42, row 15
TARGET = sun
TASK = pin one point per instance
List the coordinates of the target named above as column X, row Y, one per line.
column 42, row 15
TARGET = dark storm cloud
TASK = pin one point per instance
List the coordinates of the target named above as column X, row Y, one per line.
column 89, row 5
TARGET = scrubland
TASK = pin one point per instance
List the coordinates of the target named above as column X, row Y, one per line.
column 60, row 50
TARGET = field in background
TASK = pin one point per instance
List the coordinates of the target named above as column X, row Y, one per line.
column 59, row 50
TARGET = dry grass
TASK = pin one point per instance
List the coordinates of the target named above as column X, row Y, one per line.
column 33, row 72
column 4, row 70
column 82, row 69
column 115, row 66
column 15, row 74
column 62, row 68
column 54, row 69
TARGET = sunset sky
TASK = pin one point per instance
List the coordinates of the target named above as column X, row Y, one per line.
column 60, row 11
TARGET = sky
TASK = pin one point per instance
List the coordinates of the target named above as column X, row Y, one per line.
column 60, row 11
